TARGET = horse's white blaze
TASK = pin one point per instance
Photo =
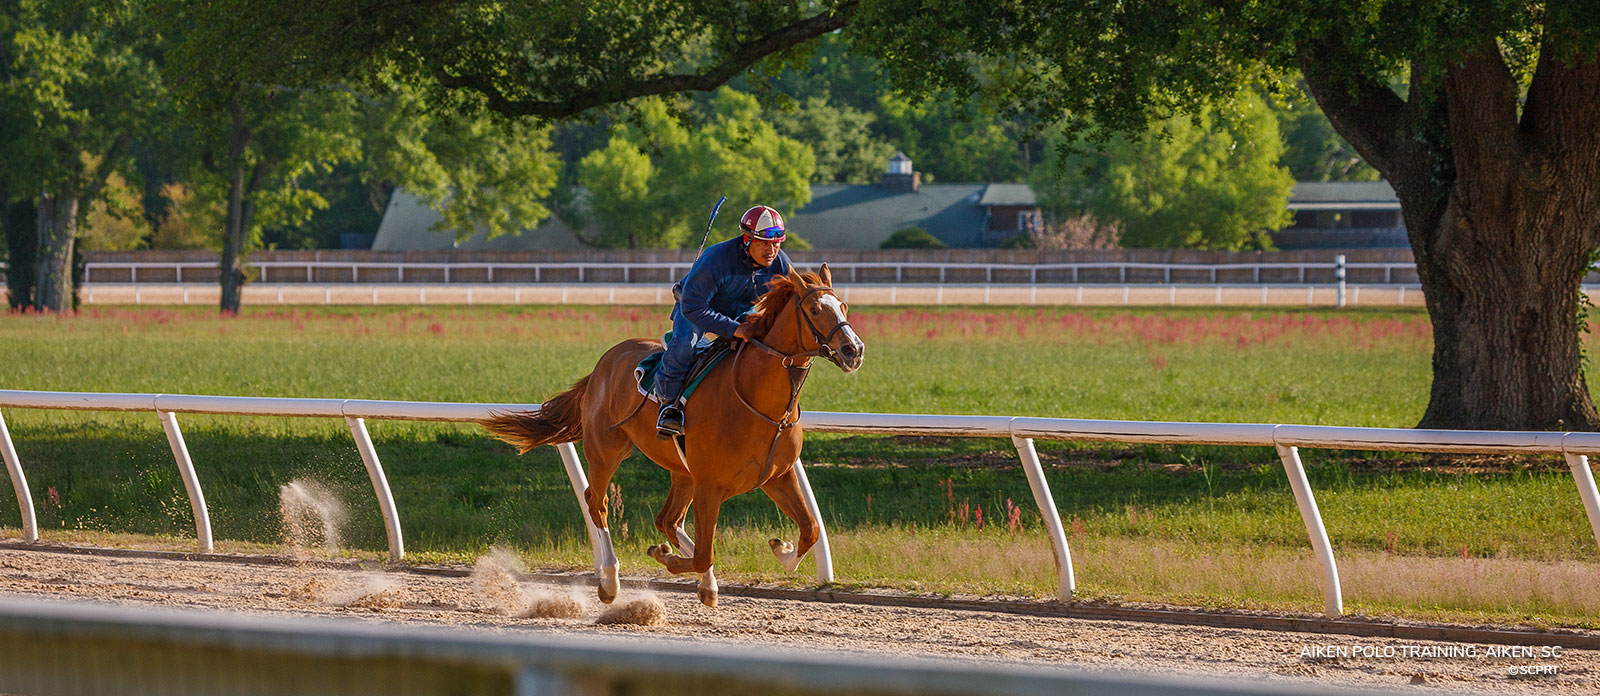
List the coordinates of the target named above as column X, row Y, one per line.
column 832, row 303
column 685, row 544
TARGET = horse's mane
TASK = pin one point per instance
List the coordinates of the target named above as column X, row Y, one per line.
column 782, row 289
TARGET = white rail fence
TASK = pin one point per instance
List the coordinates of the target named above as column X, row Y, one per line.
column 1021, row 431
column 652, row 272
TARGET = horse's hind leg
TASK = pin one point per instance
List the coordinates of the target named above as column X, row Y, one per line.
column 707, row 505
column 784, row 490
column 605, row 453
column 670, row 521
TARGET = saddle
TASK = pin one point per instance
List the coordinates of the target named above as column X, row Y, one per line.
column 704, row 359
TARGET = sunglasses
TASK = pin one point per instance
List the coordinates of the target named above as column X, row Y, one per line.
column 768, row 234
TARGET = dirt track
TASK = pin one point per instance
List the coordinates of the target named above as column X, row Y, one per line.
column 482, row 602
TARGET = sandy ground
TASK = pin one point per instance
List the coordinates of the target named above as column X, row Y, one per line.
column 492, row 600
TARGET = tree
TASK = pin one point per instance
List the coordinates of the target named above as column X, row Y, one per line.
column 251, row 162
column 951, row 139
column 1491, row 146
column 479, row 170
column 116, row 221
column 1207, row 182
column 74, row 85
column 840, row 138
column 652, row 182
column 1312, row 149
column 911, row 238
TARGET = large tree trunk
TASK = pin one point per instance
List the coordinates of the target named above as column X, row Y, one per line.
column 22, row 242
column 58, row 230
column 1503, row 210
column 1501, row 285
column 237, row 225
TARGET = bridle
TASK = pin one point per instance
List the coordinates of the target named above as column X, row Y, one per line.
column 792, row 364
column 802, row 320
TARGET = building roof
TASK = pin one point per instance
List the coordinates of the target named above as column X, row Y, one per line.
column 1008, row 194
column 862, row 216
column 407, row 226
column 839, row 216
column 1343, row 195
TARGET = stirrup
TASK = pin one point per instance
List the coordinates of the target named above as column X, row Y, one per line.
column 670, row 423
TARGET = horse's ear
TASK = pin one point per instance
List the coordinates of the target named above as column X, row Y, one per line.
column 826, row 275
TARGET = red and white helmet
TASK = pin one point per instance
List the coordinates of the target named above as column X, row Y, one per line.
column 762, row 223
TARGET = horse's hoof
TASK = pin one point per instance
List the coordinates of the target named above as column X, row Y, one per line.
column 659, row 552
column 784, row 552
column 609, row 585
column 708, row 597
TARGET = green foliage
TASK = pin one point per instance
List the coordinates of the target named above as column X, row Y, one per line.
column 116, row 221
column 911, row 238
column 481, row 172
column 1207, row 182
column 951, row 140
column 290, row 141
column 649, row 186
column 75, row 82
column 352, row 208
column 950, row 137
column 1313, row 150
column 841, row 139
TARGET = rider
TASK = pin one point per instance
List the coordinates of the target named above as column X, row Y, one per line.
column 721, row 287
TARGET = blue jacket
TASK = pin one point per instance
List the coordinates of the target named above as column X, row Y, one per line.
column 723, row 284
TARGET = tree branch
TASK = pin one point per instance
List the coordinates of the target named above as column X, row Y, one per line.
column 706, row 80
column 1366, row 112
column 102, row 171
column 1481, row 102
column 1563, row 101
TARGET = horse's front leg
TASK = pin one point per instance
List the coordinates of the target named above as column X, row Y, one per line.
column 784, row 490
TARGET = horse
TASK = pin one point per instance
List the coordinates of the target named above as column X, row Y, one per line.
column 742, row 427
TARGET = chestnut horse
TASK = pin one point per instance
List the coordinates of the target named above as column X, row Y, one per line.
column 742, row 427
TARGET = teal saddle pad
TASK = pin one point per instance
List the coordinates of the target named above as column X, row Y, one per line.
column 704, row 359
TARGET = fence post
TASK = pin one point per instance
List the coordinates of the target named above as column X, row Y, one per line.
column 1332, row 599
column 380, row 485
column 19, row 484
column 1586, row 490
column 1065, row 582
column 191, row 482
column 822, row 552
column 1338, row 274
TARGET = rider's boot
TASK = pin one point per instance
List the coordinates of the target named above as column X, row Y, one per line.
column 670, row 423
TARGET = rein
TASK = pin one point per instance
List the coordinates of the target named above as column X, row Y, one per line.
column 797, row 371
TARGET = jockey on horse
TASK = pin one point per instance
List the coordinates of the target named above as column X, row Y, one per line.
column 721, row 287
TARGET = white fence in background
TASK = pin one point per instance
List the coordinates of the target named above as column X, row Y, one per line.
column 1021, row 431
column 857, row 294
column 655, row 272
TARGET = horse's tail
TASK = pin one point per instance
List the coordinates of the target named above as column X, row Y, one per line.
column 559, row 420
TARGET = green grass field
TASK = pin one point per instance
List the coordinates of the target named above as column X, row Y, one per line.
column 1465, row 538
